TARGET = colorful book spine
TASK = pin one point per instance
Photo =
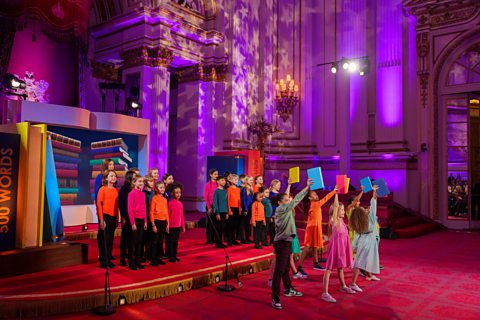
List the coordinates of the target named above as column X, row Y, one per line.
column 63, row 173
column 66, row 165
column 117, row 142
column 120, row 174
column 115, row 160
column 108, row 150
column 118, row 167
column 62, row 158
column 60, row 145
column 66, row 153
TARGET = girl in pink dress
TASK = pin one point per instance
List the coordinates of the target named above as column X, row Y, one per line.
column 339, row 253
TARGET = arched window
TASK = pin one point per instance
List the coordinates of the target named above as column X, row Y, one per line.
column 466, row 68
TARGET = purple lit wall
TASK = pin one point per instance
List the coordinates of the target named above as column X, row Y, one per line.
column 389, row 63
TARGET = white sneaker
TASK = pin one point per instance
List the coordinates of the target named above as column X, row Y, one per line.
column 355, row 287
column 298, row 275
column 327, row 297
column 347, row 290
column 373, row 278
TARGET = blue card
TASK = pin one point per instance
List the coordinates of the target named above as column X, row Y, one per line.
column 382, row 187
column 367, row 184
column 315, row 174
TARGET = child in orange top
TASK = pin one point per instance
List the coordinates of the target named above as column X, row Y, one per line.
column 313, row 232
column 159, row 223
column 107, row 210
column 258, row 220
column 234, row 207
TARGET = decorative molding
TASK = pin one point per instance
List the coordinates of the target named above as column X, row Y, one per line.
column 147, row 56
column 105, row 71
column 438, row 13
column 201, row 72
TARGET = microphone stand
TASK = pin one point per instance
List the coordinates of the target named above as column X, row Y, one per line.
column 107, row 309
column 225, row 287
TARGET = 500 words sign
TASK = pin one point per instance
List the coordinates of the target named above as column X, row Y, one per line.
column 9, row 156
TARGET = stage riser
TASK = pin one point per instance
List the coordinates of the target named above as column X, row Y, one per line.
column 34, row 308
column 49, row 257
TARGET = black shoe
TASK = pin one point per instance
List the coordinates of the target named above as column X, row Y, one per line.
column 248, row 241
column 244, row 242
column 210, row 242
column 178, row 260
column 236, row 243
column 258, row 247
column 220, row 245
column 111, row 265
column 163, row 256
column 172, row 260
column 103, row 266
column 143, row 260
column 276, row 303
column 154, row 264
column 317, row 266
column 381, row 267
column 123, row 263
column 230, row 244
column 132, row 267
column 139, row 266
column 113, row 258
column 267, row 244
column 322, row 260
column 160, row 262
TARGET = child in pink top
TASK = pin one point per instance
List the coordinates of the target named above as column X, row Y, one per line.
column 176, row 222
column 137, row 214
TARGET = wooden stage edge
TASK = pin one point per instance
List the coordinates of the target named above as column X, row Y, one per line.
column 48, row 257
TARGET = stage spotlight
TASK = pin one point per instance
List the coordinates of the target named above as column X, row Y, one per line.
column 364, row 67
column 362, row 73
column 345, row 64
column 122, row 300
column 13, row 82
column 180, row 288
column 334, row 68
column 85, row 228
column 352, row 67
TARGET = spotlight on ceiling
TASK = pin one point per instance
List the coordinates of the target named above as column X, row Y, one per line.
column 13, row 82
column 364, row 67
column 122, row 300
column 345, row 64
column 334, row 68
column 84, row 227
column 352, row 67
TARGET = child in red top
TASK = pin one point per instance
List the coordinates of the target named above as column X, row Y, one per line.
column 159, row 223
column 137, row 214
column 258, row 220
column 176, row 222
column 107, row 210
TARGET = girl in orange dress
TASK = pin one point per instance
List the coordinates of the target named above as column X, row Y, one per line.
column 313, row 232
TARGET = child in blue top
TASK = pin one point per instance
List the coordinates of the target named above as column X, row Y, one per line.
column 267, row 205
column 220, row 210
column 246, row 196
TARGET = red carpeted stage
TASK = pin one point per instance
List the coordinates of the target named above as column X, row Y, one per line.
column 80, row 287
column 432, row 277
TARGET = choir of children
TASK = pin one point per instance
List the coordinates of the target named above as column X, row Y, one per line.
column 151, row 211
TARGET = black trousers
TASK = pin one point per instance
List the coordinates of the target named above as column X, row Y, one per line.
column 259, row 233
column 173, row 242
column 270, row 230
column 246, row 225
column 235, row 224
column 209, row 227
column 157, row 240
column 105, row 238
column 283, row 249
column 147, row 242
column 125, row 239
column 220, row 225
column 135, row 243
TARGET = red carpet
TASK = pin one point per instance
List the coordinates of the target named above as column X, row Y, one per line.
column 432, row 277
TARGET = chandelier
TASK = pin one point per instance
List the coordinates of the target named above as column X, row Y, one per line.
column 286, row 97
column 262, row 129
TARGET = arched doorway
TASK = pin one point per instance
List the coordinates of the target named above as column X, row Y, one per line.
column 457, row 86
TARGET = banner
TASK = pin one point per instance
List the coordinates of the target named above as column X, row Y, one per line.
column 9, row 157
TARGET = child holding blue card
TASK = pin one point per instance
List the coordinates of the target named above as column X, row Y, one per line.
column 366, row 242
